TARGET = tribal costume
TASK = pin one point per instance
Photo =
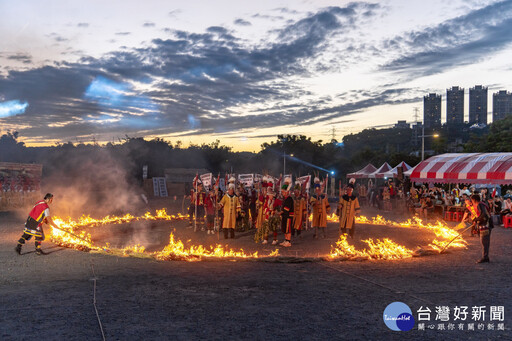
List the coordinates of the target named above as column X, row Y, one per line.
column 348, row 208
column 321, row 208
column 230, row 207
column 300, row 212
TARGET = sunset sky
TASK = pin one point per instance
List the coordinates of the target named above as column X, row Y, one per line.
column 239, row 71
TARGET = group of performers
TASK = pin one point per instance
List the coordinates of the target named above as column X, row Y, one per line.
column 269, row 208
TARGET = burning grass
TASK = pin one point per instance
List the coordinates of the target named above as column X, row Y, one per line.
column 73, row 234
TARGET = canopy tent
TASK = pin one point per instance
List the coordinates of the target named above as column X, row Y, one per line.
column 393, row 173
column 475, row 168
column 382, row 169
column 410, row 170
column 363, row 173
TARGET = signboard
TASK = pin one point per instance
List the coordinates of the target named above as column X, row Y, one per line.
column 159, row 187
column 206, row 180
column 246, row 179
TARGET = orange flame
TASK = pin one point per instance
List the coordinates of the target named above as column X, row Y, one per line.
column 385, row 249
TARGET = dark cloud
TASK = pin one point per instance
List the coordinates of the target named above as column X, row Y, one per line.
column 456, row 42
column 123, row 33
column 148, row 24
column 21, row 57
column 195, row 83
column 82, row 24
column 217, row 29
column 242, row 22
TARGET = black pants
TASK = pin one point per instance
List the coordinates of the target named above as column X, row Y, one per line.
column 231, row 233
column 485, row 239
column 296, row 232
column 26, row 236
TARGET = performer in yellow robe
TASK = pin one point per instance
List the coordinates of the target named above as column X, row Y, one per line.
column 321, row 208
column 348, row 208
column 230, row 208
column 299, row 209
column 260, row 201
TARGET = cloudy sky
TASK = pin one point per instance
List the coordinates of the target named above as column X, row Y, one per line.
column 239, row 71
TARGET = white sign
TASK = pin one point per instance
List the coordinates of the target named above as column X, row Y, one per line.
column 206, row 180
column 246, row 179
column 159, row 187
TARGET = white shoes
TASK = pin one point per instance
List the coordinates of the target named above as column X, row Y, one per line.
column 264, row 241
column 274, row 242
column 286, row 244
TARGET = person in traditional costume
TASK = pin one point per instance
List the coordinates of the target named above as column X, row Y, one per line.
column 348, row 207
column 299, row 209
column 199, row 201
column 287, row 213
column 209, row 205
column 230, row 207
column 271, row 218
column 321, row 208
column 260, row 202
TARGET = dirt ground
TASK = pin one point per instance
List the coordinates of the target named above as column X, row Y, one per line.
column 51, row 297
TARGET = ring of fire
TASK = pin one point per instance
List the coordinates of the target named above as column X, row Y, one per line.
column 73, row 234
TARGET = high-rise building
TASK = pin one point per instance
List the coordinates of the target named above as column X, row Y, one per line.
column 432, row 111
column 455, row 105
column 501, row 105
column 478, row 105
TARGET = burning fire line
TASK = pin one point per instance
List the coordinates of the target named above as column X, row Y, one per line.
column 176, row 250
column 386, row 249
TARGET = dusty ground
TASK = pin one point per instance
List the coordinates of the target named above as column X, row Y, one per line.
column 51, row 297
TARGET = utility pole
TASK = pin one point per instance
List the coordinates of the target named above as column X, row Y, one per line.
column 333, row 134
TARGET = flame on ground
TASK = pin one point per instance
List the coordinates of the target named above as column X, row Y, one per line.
column 388, row 249
column 378, row 249
column 385, row 249
column 175, row 250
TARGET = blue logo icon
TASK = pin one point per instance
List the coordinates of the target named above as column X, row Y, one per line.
column 398, row 317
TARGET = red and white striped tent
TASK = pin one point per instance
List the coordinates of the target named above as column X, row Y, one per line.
column 382, row 170
column 363, row 173
column 474, row 168
column 393, row 173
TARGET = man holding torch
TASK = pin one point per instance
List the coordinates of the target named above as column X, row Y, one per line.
column 39, row 214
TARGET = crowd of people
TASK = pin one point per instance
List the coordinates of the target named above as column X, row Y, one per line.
column 270, row 208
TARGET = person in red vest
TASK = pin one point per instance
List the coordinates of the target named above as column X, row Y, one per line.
column 39, row 214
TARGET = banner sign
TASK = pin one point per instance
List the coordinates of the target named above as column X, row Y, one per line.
column 246, row 179
column 207, row 180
